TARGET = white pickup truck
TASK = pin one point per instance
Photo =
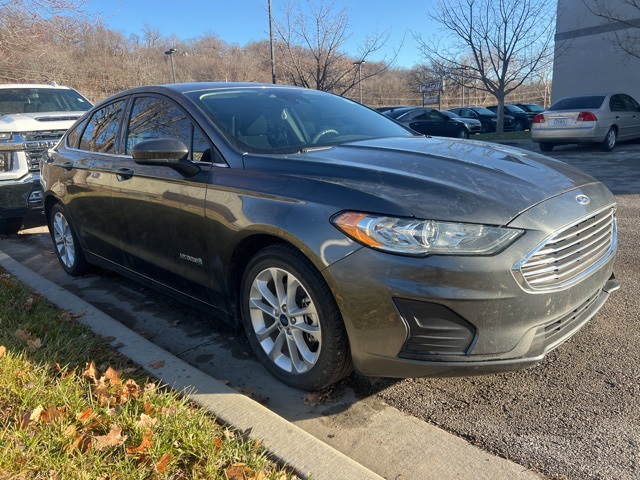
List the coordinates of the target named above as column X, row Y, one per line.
column 32, row 119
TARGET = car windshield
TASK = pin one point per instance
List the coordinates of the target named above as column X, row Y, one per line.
column 286, row 120
column 578, row 103
column 29, row 100
column 482, row 111
column 514, row 109
column 449, row 114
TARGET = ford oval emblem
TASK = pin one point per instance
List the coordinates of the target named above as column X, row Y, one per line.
column 583, row 200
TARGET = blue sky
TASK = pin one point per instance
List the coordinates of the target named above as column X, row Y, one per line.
column 242, row 21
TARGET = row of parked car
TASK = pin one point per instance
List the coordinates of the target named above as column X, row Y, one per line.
column 463, row 121
column 604, row 119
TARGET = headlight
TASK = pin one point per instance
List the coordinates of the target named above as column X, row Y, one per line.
column 424, row 237
column 6, row 135
column 6, row 163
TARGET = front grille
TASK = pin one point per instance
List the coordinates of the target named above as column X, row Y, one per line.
column 58, row 118
column 36, row 143
column 571, row 253
column 43, row 136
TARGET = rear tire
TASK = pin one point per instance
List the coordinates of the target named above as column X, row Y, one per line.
column 66, row 243
column 546, row 146
column 10, row 226
column 609, row 141
column 292, row 321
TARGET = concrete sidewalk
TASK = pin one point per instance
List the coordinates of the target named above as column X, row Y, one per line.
column 425, row 451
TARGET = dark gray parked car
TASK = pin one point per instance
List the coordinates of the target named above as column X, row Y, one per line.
column 333, row 235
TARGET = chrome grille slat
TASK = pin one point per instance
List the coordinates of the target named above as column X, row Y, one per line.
column 570, row 252
column 577, row 240
column 555, row 262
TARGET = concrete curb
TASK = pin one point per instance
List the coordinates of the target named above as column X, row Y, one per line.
column 309, row 456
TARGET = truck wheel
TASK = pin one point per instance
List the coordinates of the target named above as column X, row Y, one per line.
column 10, row 226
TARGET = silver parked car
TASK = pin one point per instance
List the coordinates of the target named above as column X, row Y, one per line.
column 604, row 119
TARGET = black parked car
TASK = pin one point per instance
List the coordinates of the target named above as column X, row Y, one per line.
column 335, row 236
column 530, row 107
column 427, row 121
column 522, row 120
column 488, row 118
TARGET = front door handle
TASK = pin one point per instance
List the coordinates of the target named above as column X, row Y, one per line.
column 68, row 166
column 124, row 174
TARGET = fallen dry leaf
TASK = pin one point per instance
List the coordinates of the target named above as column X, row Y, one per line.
column 318, row 398
column 112, row 376
column 146, row 421
column 90, row 372
column 3, row 351
column 144, row 444
column 85, row 414
column 35, row 414
column 34, row 344
column 22, row 335
column 111, row 439
column 157, row 364
column 161, row 465
column 237, row 471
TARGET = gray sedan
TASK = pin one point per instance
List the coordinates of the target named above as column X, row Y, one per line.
column 334, row 236
column 602, row 119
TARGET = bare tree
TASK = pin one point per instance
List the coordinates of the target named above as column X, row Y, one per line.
column 497, row 44
column 24, row 22
column 623, row 18
column 311, row 48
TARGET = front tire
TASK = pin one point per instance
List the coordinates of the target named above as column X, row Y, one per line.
column 463, row 133
column 609, row 141
column 546, row 146
column 292, row 321
column 66, row 243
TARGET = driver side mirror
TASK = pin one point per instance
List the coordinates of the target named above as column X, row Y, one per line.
column 165, row 152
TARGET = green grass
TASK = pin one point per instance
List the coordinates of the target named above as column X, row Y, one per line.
column 502, row 136
column 61, row 417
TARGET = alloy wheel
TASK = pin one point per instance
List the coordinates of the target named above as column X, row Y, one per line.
column 285, row 320
column 63, row 240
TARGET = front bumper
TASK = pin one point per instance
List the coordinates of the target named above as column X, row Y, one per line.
column 445, row 315
column 20, row 197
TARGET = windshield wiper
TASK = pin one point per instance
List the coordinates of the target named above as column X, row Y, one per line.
column 314, row 149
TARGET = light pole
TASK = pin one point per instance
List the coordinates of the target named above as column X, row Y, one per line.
column 359, row 64
column 170, row 52
column 273, row 60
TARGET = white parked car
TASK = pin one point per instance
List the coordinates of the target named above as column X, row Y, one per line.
column 604, row 119
column 32, row 119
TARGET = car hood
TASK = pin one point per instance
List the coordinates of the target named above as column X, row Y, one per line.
column 24, row 122
column 432, row 178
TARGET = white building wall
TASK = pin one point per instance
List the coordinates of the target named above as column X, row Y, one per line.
column 587, row 62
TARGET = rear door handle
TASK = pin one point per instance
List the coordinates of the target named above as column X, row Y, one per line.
column 124, row 173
